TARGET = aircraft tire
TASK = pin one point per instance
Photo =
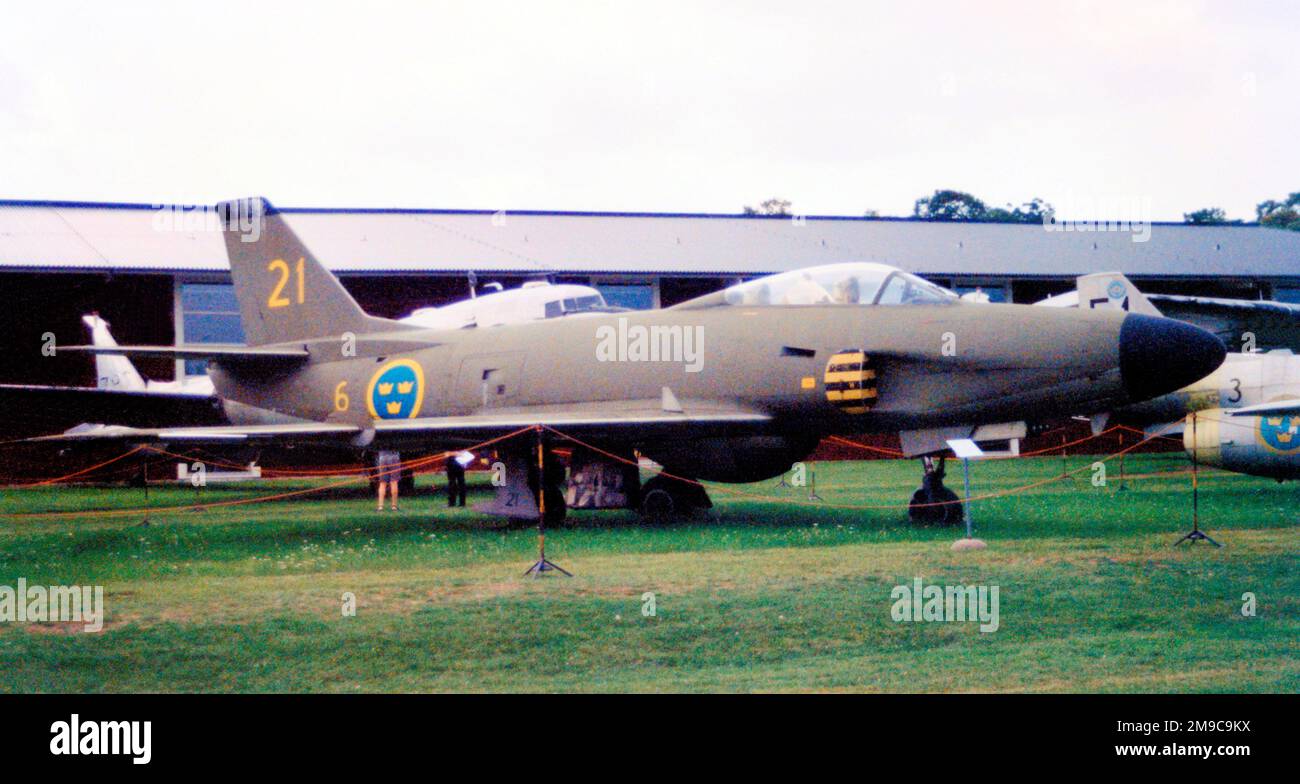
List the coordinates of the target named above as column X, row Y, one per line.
column 921, row 513
column 665, row 501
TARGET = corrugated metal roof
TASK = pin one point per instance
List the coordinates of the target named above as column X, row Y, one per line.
column 70, row 235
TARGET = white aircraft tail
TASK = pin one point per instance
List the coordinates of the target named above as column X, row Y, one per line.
column 1113, row 290
column 112, row 371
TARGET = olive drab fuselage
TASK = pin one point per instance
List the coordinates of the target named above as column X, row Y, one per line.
column 931, row 364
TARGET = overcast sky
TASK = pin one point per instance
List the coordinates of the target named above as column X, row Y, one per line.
column 839, row 107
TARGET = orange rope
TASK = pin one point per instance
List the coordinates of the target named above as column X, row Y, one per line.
column 243, row 501
column 82, row 471
column 779, row 499
column 1055, row 448
column 882, row 450
column 1063, row 447
column 324, row 471
column 442, row 455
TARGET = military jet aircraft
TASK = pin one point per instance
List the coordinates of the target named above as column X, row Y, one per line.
column 734, row 386
column 118, row 373
column 1247, row 412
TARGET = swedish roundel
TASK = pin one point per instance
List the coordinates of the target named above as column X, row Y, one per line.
column 396, row 390
column 851, row 382
column 1280, row 434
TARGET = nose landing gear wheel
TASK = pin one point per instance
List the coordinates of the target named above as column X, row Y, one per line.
column 939, row 508
column 933, row 503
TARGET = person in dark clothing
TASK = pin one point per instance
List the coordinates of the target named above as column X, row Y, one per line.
column 456, row 478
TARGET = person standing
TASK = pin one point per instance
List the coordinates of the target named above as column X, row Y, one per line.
column 388, row 470
column 456, row 478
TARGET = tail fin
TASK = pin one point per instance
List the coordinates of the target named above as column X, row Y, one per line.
column 1113, row 290
column 284, row 293
column 112, row 371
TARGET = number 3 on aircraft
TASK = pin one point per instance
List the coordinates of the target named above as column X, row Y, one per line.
column 277, row 300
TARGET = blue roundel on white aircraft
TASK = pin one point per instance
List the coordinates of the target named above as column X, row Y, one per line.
column 396, row 390
column 1115, row 290
column 1281, row 433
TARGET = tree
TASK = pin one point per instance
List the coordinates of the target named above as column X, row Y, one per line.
column 1280, row 214
column 1210, row 216
column 948, row 205
column 1033, row 211
column 772, row 206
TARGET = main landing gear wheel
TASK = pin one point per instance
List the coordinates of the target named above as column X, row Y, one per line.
column 665, row 500
column 933, row 503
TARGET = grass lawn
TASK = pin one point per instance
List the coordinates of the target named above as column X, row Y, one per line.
column 776, row 593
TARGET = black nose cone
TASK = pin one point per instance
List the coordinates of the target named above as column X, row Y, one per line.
column 1160, row 355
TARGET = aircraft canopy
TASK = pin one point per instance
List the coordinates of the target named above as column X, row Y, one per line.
column 861, row 283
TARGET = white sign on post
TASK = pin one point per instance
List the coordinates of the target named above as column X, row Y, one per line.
column 965, row 448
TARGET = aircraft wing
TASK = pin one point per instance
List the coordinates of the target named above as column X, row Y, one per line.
column 619, row 419
column 1276, row 408
column 29, row 404
column 1283, row 309
column 1274, row 324
column 625, row 420
column 219, row 434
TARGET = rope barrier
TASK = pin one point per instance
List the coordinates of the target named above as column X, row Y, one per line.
column 244, row 501
column 366, row 474
column 66, row 477
column 882, row 450
column 824, row 504
column 285, row 472
column 1034, row 453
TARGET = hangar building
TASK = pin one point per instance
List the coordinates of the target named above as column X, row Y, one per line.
column 159, row 274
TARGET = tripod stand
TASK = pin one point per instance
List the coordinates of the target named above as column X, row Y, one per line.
column 1196, row 534
column 542, row 564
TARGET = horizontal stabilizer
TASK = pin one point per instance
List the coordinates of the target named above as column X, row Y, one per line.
column 225, row 353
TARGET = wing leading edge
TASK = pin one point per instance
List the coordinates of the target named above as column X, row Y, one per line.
column 617, row 419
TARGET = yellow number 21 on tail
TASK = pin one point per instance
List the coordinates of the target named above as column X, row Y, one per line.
column 277, row 298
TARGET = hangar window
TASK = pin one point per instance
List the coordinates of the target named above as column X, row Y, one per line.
column 634, row 296
column 1286, row 293
column 558, row 307
column 995, row 292
column 209, row 314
